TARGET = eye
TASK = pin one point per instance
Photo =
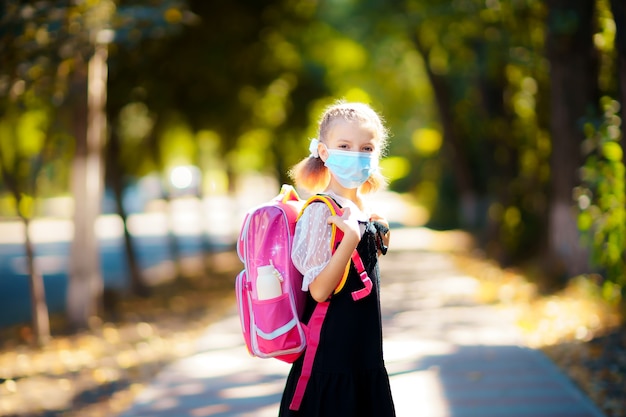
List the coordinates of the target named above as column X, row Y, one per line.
column 343, row 146
column 368, row 148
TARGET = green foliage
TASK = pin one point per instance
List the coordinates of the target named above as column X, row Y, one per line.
column 604, row 41
column 487, row 66
column 602, row 197
column 25, row 149
column 238, row 86
column 234, row 70
column 387, row 72
column 44, row 46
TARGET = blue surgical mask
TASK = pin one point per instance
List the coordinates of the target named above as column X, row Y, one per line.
column 351, row 169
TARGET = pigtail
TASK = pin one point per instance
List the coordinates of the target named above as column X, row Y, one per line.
column 310, row 174
column 375, row 182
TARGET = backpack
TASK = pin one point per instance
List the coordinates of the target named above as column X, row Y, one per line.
column 270, row 300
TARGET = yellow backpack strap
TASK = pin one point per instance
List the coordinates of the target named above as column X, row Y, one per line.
column 336, row 234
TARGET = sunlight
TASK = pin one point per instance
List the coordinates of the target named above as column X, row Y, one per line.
column 192, row 388
column 213, row 365
column 181, row 177
column 395, row 167
column 357, row 94
column 427, row 142
column 269, row 411
column 209, row 410
column 399, row 354
column 415, row 385
column 419, row 393
column 164, row 403
column 254, row 390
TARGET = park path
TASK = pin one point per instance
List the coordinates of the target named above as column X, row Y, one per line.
column 447, row 354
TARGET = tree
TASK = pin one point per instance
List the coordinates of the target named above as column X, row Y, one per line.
column 230, row 73
column 573, row 62
column 26, row 131
column 19, row 171
column 154, row 23
column 87, row 98
column 236, row 83
column 116, row 181
column 61, row 50
column 483, row 63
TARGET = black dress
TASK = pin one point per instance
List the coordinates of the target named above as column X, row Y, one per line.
column 349, row 378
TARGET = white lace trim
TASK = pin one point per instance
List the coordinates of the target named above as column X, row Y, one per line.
column 311, row 246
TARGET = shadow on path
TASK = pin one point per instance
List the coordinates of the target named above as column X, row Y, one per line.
column 447, row 355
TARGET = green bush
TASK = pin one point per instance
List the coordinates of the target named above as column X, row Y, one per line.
column 601, row 199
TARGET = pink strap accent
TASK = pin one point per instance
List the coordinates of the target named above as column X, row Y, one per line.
column 314, row 328
column 363, row 292
column 313, row 341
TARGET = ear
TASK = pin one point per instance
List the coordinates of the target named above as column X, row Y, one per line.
column 322, row 151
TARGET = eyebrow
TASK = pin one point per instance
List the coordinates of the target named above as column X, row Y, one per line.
column 345, row 140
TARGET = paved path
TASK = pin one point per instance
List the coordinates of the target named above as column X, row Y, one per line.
column 447, row 356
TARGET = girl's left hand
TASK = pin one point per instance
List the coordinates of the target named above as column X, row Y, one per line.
column 383, row 233
column 384, row 237
column 376, row 218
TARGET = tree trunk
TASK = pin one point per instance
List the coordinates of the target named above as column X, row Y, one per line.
column 172, row 241
column 86, row 284
column 137, row 285
column 574, row 95
column 464, row 178
column 39, row 307
column 499, row 173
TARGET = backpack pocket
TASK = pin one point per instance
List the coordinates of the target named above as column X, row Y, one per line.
column 243, row 307
column 277, row 328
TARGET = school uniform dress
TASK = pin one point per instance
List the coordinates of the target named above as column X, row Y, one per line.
column 349, row 378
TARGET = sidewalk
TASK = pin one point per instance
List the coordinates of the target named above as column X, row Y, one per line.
column 447, row 355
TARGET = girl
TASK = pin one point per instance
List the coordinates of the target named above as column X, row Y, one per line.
column 348, row 377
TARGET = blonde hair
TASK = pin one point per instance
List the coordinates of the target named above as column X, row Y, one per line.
column 311, row 173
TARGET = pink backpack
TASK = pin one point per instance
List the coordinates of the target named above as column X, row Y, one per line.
column 270, row 300
column 271, row 327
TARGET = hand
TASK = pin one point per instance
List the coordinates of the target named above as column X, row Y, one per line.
column 384, row 237
column 376, row 218
column 327, row 280
column 348, row 224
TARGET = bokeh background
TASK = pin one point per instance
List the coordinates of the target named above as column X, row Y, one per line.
column 134, row 135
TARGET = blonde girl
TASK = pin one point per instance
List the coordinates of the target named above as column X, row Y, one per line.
column 348, row 377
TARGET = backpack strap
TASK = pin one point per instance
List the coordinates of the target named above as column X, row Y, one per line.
column 314, row 327
column 313, row 334
column 336, row 233
column 335, row 238
column 365, row 279
column 335, row 210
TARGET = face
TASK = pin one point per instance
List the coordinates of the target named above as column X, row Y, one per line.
column 349, row 136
